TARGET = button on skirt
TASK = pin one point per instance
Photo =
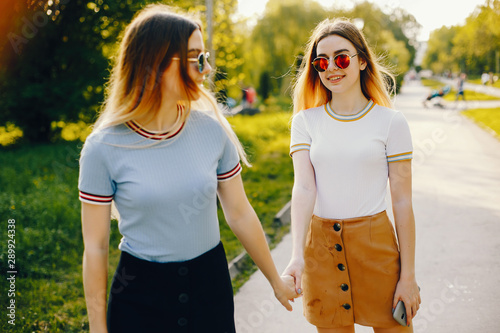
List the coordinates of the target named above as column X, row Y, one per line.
column 191, row 296
column 351, row 270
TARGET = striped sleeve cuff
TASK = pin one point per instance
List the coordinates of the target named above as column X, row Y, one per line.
column 299, row 146
column 95, row 199
column 230, row 174
column 400, row 157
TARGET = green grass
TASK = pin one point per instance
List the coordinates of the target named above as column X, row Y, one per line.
column 478, row 81
column 487, row 118
column 268, row 183
column 39, row 191
column 470, row 95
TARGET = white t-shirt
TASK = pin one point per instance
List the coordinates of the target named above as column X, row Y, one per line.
column 350, row 156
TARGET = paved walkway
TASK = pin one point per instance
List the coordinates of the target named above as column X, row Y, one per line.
column 456, row 195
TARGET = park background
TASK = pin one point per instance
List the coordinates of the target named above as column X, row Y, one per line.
column 55, row 58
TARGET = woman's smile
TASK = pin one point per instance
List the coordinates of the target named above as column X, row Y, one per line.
column 335, row 78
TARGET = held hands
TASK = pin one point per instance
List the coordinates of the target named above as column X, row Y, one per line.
column 285, row 291
column 408, row 291
column 295, row 269
column 290, row 284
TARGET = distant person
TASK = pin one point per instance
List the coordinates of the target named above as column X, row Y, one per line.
column 251, row 96
column 346, row 144
column 437, row 93
column 164, row 162
column 248, row 98
column 460, row 86
column 491, row 78
column 485, row 77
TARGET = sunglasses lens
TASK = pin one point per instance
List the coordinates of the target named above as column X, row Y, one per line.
column 201, row 63
column 202, row 60
column 321, row 64
column 342, row 61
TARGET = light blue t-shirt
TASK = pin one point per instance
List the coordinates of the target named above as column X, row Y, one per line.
column 166, row 193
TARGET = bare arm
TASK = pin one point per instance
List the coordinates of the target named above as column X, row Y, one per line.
column 95, row 229
column 401, row 194
column 303, row 199
column 245, row 224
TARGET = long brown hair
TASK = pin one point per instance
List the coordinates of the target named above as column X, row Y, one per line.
column 309, row 92
column 155, row 35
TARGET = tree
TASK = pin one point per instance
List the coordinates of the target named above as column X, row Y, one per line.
column 392, row 36
column 56, row 57
column 227, row 45
column 264, row 85
column 57, row 60
column 470, row 48
column 439, row 57
column 275, row 42
column 476, row 42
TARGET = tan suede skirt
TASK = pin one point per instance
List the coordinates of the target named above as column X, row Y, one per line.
column 351, row 270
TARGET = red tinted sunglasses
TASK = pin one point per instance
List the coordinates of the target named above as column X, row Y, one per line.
column 342, row 61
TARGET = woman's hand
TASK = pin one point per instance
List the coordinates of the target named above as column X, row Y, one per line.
column 284, row 290
column 295, row 269
column 408, row 291
column 407, row 288
column 245, row 224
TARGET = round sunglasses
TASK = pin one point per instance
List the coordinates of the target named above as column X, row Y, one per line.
column 342, row 61
column 202, row 59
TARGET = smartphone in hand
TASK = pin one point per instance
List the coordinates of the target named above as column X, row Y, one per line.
column 399, row 314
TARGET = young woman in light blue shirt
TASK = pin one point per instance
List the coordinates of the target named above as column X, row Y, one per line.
column 164, row 161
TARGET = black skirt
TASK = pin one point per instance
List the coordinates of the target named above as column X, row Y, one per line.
column 191, row 296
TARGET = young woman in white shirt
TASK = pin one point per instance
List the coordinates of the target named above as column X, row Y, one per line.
column 346, row 143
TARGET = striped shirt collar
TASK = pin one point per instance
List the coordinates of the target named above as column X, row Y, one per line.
column 351, row 117
column 136, row 127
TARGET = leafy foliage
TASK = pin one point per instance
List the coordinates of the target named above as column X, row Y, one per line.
column 57, row 62
column 57, row 54
column 392, row 35
column 276, row 44
column 438, row 57
column 471, row 48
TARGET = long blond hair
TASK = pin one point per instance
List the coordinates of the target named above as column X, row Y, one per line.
column 309, row 92
column 156, row 34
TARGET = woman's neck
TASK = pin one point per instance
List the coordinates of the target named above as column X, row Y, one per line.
column 164, row 120
column 348, row 104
